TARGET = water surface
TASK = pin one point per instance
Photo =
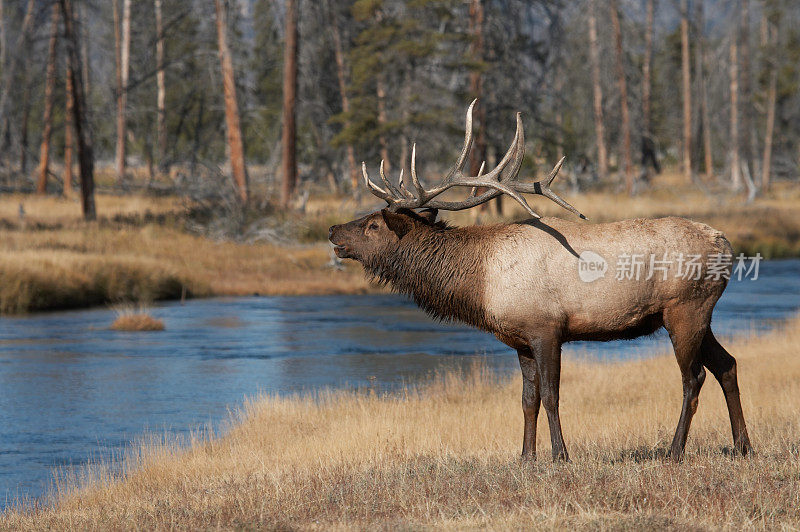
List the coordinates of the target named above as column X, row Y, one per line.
column 71, row 389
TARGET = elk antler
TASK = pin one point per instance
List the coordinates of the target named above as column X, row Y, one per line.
column 500, row 180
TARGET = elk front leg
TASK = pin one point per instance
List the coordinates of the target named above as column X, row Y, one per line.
column 530, row 402
column 547, row 353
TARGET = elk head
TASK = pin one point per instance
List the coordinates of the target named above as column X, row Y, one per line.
column 379, row 232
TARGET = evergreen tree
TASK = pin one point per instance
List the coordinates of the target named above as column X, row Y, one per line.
column 392, row 57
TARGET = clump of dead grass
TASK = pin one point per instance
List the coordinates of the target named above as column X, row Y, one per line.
column 445, row 455
column 131, row 319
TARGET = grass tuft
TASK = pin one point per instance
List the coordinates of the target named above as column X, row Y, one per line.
column 137, row 322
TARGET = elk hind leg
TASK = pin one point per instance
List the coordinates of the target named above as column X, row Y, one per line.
column 547, row 352
column 530, row 402
column 723, row 366
column 686, row 330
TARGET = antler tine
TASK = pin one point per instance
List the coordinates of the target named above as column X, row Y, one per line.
column 375, row 189
column 414, row 178
column 520, row 152
column 462, row 158
column 474, row 190
column 553, row 196
column 393, row 190
column 543, row 189
column 554, row 172
column 407, row 193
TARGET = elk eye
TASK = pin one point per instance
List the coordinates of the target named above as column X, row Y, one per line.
column 373, row 226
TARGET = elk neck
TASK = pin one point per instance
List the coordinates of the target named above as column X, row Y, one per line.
column 443, row 269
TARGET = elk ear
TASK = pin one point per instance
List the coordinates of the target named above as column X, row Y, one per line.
column 399, row 224
column 429, row 215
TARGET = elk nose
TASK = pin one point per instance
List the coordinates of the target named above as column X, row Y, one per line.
column 330, row 232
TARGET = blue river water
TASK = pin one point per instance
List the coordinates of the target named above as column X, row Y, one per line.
column 72, row 390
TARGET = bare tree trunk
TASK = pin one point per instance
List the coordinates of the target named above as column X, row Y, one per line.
column 380, row 91
column 84, row 138
column 701, row 61
column 161, row 93
column 648, row 55
column 3, row 41
column 119, row 157
column 478, row 153
column 198, row 129
column 772, row 91
column 80, row 21
column 597, row 91
column 68, row 127
column 558, row 106
column 338, row 52
column 232, row 122
column 749, row 145
column 47, row 120
column 405, row 105
column 623, row 95
column 123, row 51
column 122, row 110
column 289, row 137
column 10, row 72
column 84, row 38
column 23, row 129
column 4, row 67
column 686, row 93
column 123, row 45
column 736, row 168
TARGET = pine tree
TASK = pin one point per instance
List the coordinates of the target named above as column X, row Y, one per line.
column 393, row 45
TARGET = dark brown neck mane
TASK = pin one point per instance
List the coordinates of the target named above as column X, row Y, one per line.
column 441, row 268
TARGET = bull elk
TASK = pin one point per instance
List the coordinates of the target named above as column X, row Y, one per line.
column 521, row 282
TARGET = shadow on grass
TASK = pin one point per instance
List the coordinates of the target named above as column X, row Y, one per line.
column 650, row 454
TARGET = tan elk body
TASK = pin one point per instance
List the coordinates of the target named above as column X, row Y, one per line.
column 532, row 274
column 522, row 282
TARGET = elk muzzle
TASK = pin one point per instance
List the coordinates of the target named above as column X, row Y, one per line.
column 336, row 234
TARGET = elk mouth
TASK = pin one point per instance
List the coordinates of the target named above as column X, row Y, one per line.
column 341, row 251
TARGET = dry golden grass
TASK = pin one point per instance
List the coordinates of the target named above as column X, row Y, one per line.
column 445, row 454
column 56, row 211
column 59, row 262
column 138, row 322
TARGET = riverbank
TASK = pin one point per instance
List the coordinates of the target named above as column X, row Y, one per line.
column 445, row 455
column 141, row 249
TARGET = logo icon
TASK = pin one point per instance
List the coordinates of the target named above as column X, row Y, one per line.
column 591, row 266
